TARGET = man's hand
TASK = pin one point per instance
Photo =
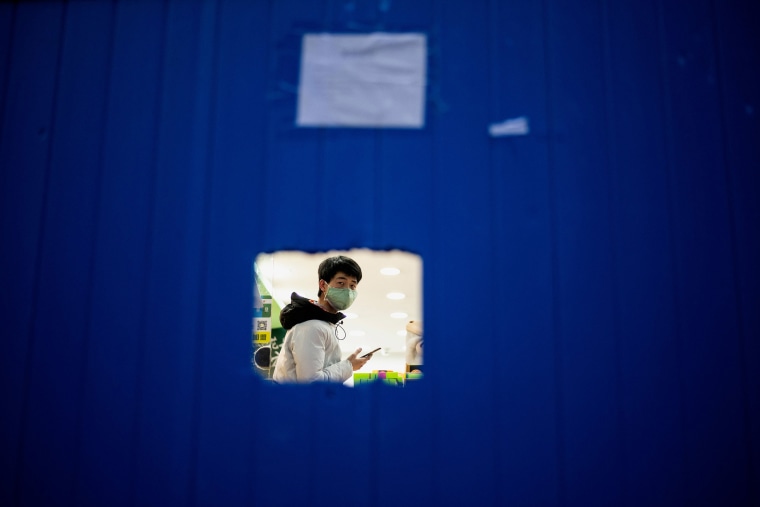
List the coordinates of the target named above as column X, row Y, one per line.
column 356, row 361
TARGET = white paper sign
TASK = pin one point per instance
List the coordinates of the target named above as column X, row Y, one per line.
column 362, row 80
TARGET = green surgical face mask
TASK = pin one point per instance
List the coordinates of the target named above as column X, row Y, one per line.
column 340, row 299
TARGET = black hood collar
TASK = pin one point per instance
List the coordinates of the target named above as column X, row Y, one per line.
column 302, row 309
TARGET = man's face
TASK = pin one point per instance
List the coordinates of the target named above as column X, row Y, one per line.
column 340, row 281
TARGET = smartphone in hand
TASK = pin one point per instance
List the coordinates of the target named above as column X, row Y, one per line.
column 370, row 353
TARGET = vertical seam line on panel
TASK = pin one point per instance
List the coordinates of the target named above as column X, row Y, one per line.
column 95, row 223
column 495, row 216
column 747, row 419
column 38, row 255
column 321, row 211
column 374, row 234
column 670, row 187
column 314, row 392
column 321, row 163
column 610, row 153
column 374, row 456
column 266, row 175
column 377, row 190
column 270, row 63
column 6, row 76
column 204, row 259
column 554, row 235
column 434, row 115
column 148, row 257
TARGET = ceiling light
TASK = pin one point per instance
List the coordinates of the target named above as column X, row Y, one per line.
column 390, row 271
column 395, row 295
column 399, row 315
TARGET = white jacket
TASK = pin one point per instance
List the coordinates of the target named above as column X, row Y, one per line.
column 311, row 353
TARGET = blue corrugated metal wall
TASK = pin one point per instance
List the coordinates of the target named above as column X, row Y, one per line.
column 592, row 290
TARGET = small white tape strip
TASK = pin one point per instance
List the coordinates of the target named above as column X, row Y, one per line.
column 511, row 127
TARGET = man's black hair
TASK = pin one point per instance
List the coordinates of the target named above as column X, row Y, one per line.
column 329, row 267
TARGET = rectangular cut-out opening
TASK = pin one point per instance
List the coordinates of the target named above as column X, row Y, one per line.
column 386, row 315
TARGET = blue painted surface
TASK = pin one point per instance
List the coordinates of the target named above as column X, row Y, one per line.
column 607, row 261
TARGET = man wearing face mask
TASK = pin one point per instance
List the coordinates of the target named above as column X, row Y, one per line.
column 311, row 350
